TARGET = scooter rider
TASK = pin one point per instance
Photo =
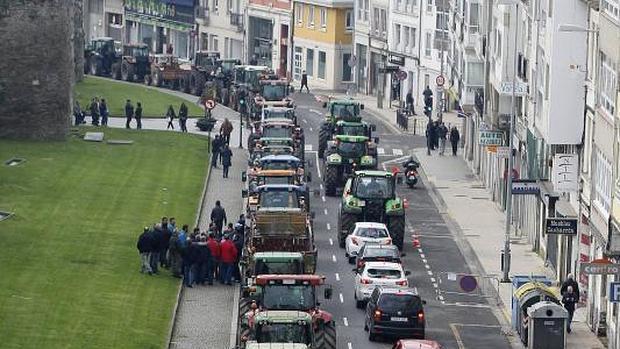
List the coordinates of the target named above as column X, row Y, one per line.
column 411, row 172
column 411, row 164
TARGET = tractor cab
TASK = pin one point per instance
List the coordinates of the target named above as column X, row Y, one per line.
column 348, row 128
column 276, row 263
column 228, row 65
column 248, row 75
column 371, row 185
column 345, row 109
column 206, row 60
column 278, row 326
column 271, row 113
column 280, row 197
column 275, row 169
column 288, row 291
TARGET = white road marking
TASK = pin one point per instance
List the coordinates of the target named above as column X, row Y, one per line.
column 346, row 322
column 422, row 255
column 334, row 258
column 329, row 227
column 316, row 112
column 318, row 167
column 420, row 250
column 380, row 151
column 440, row 297
column 349, row 345
column 424, row 260
column 331, row 242
column 337, row 277
column 310, row 129
column 305, row 121
column 427, row 266
column 325, row 211
column 321, row 186
column 432, row 279
column 397, row 160
column 435, row 285
column 323, row 198
column 308, row 147
column 429, row 272
column 341, row 298
column 397, row 152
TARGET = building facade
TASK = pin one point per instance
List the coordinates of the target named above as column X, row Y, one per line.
column 268, row 34
column 103, row 18
column 323, row 36
column 221, row 27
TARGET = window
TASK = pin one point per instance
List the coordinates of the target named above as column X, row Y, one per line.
column 366, row 10
column 348, row 20
column 429, row 6
column 216, row 5
column 360, row 10
column 346, row 69
column 375, row 20
column 383, row 23
column 602, row 187
column 442, row 40
column 608, row 83
column 550, row 8
column 322, row 59
column 474, row 19
column 96, row 6
column 427, row 45
column 413, row 36
column 299, row 12
column 612, row 8
column 310, row 16
column 475, row 74
column 547, row 73
column 427, row 79
column 405, row 37
column 310, row 62
column 323, row 17
column 397, row 34
column 214, row 43
column 441, row 21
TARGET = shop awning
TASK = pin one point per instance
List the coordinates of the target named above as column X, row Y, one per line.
column 160, row 22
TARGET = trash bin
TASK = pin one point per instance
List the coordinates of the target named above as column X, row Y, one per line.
column 518, row 281
column 547, row 326
column 526, row 296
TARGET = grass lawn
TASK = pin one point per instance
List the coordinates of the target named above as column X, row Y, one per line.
column 69, row 267
column 154, row 103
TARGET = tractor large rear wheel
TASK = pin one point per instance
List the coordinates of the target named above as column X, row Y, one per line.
column 331, row 180
column 116, row 71
column 147, row 80
column 95, row 66
column 128, row 71
column 323, row 138
column 396, row 226
column 326, row 336
column 196, row 83
column 347, row 222
column 244, row 308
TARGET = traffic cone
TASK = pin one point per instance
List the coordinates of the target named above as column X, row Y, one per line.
column 416, row 241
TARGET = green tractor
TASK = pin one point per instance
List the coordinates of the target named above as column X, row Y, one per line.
column 338, row 110
column 344, row 155
column 370, row 196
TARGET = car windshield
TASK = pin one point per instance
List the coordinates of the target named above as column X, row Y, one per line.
column 380, row 252
column 277, row 180
column 271, row 114
column 288, row 297
column 373, row 187
column 351, row 150
column 278, row 198
column 274, row 92
column 373, row 233
column 345, row 110
column 352, row 130
column 283, row 333
column 278, row 165
column 384, row 273
column 277, row 132
column 251, row 77
column 405, row 303
column 140, row 52
column 280, row 267
column 227, row 66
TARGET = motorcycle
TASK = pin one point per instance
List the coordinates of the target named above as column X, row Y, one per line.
column 411, row 173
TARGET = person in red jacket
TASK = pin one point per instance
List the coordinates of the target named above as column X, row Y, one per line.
column 228, row 257
column 212, row 267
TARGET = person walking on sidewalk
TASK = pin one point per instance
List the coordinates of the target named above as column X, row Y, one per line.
column 138, row 116
column 228, row 257
column 569, row 299
column 428, row 97
column 442, row 133
column 226, row 159
column 128, row 113
column 454, row 139
column 183, row 117
column 94, row 112
column 214, row 264
column 225, row 131
column 304, row 81
column 218, row 215
column 145, row 247
column 570, row 282
column 409, row 102
column 103, row 111
column 216, row 145
column 170, row 115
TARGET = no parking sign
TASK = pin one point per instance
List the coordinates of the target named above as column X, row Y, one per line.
column 209, row 104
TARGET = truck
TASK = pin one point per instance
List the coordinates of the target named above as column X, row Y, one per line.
column 370, row 196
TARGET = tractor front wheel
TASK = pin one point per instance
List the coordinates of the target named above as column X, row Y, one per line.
column 396, row 227
column 326, row 336
column 347, row 222
column 331, row 180
column 116, row 71
column 323, row 138
column 147, row 79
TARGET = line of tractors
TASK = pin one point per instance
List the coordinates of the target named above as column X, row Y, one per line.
column 206, row 75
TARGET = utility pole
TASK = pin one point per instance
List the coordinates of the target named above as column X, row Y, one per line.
column 513, row 117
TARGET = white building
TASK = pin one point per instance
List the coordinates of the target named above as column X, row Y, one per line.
column 103, row 19
column 220, row 25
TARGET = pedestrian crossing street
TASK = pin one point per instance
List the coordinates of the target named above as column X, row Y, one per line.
column 381, row 151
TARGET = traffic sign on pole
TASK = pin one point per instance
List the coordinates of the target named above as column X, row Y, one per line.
column 440, row 80
column 209, row 104
column 401, row 75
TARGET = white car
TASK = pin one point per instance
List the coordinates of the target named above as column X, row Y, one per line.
column 365, row 232
column 373, row 274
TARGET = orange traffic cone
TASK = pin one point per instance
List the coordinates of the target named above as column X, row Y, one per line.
column 416, row 241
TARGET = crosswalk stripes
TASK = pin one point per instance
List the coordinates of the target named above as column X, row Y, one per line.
column 380, row 151
column 308, row 147
column 397, row 152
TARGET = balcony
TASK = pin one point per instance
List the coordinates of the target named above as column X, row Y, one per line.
column 236, row 19
column 201, row 13
column 594, row 4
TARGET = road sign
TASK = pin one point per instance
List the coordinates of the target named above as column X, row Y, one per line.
column 503, row 152
column 492, row 148
column 563, row 226
column 209, row 104
column 440, row 80
column 491, row 137
column 506, row 88
column 352, row 62
column 600, row 267
column 525, row 187
column 401, row 75
column 468, row 283
column 614, row 292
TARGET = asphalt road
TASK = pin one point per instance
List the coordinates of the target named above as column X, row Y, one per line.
column 453, row 319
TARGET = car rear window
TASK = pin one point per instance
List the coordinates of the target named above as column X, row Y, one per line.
column 381, row 252
column 384, row 273
column 374, row 233
column 405, row 303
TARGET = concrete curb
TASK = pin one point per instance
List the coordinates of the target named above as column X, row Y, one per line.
column 180, row 287
column 473, row 262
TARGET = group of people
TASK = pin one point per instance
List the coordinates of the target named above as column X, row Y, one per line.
column 197, row 257
column 220, row 148
column 436, row 135
column 131, row 113
column 98, row 108
column 183, row 116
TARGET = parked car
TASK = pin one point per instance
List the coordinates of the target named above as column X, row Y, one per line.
column 416, row 344
column 396, row 313
column 374, row 274
column 378, row 253
column 363, row 233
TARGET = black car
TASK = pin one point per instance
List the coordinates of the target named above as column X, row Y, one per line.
column 377, row 253
column 395, row 313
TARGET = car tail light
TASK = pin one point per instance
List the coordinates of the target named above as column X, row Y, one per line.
column 401, row 283
column 377, row 315
column 421, row 316
column 354, row 240
column 366, row 281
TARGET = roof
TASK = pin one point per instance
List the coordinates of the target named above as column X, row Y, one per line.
column 374, row 173
column 370, row 225
column 280, row 158
column 283, row 316
column 345, row 101
column 384, row 265
column 369, row 245
column 103, row 38
column 420, row 344
column 250, row 345
column 351, row 139
column 275, row 173
column 278, row 255
column 392, row 290
column 277, row 108
column 314, row 279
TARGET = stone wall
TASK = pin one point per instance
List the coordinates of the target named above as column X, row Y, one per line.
column 78, row 39
column 37, row 68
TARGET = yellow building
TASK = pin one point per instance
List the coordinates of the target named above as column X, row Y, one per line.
column 322, row 39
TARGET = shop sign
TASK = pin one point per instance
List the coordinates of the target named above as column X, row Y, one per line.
column 398, row 60
column 525, row 187
column 174, row 10
column 562, row 226
column 503, row 152
column 600, row 267
column 614, row 292
column 491, row 137
column 565, row 173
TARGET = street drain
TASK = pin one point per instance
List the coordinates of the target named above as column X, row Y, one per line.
column 5, row 215
column 14, row 161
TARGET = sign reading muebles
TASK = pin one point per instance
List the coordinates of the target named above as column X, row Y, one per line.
column 563, row 226
column 174, row 10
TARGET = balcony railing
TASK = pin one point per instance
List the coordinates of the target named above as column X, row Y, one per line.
column 236, row 19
